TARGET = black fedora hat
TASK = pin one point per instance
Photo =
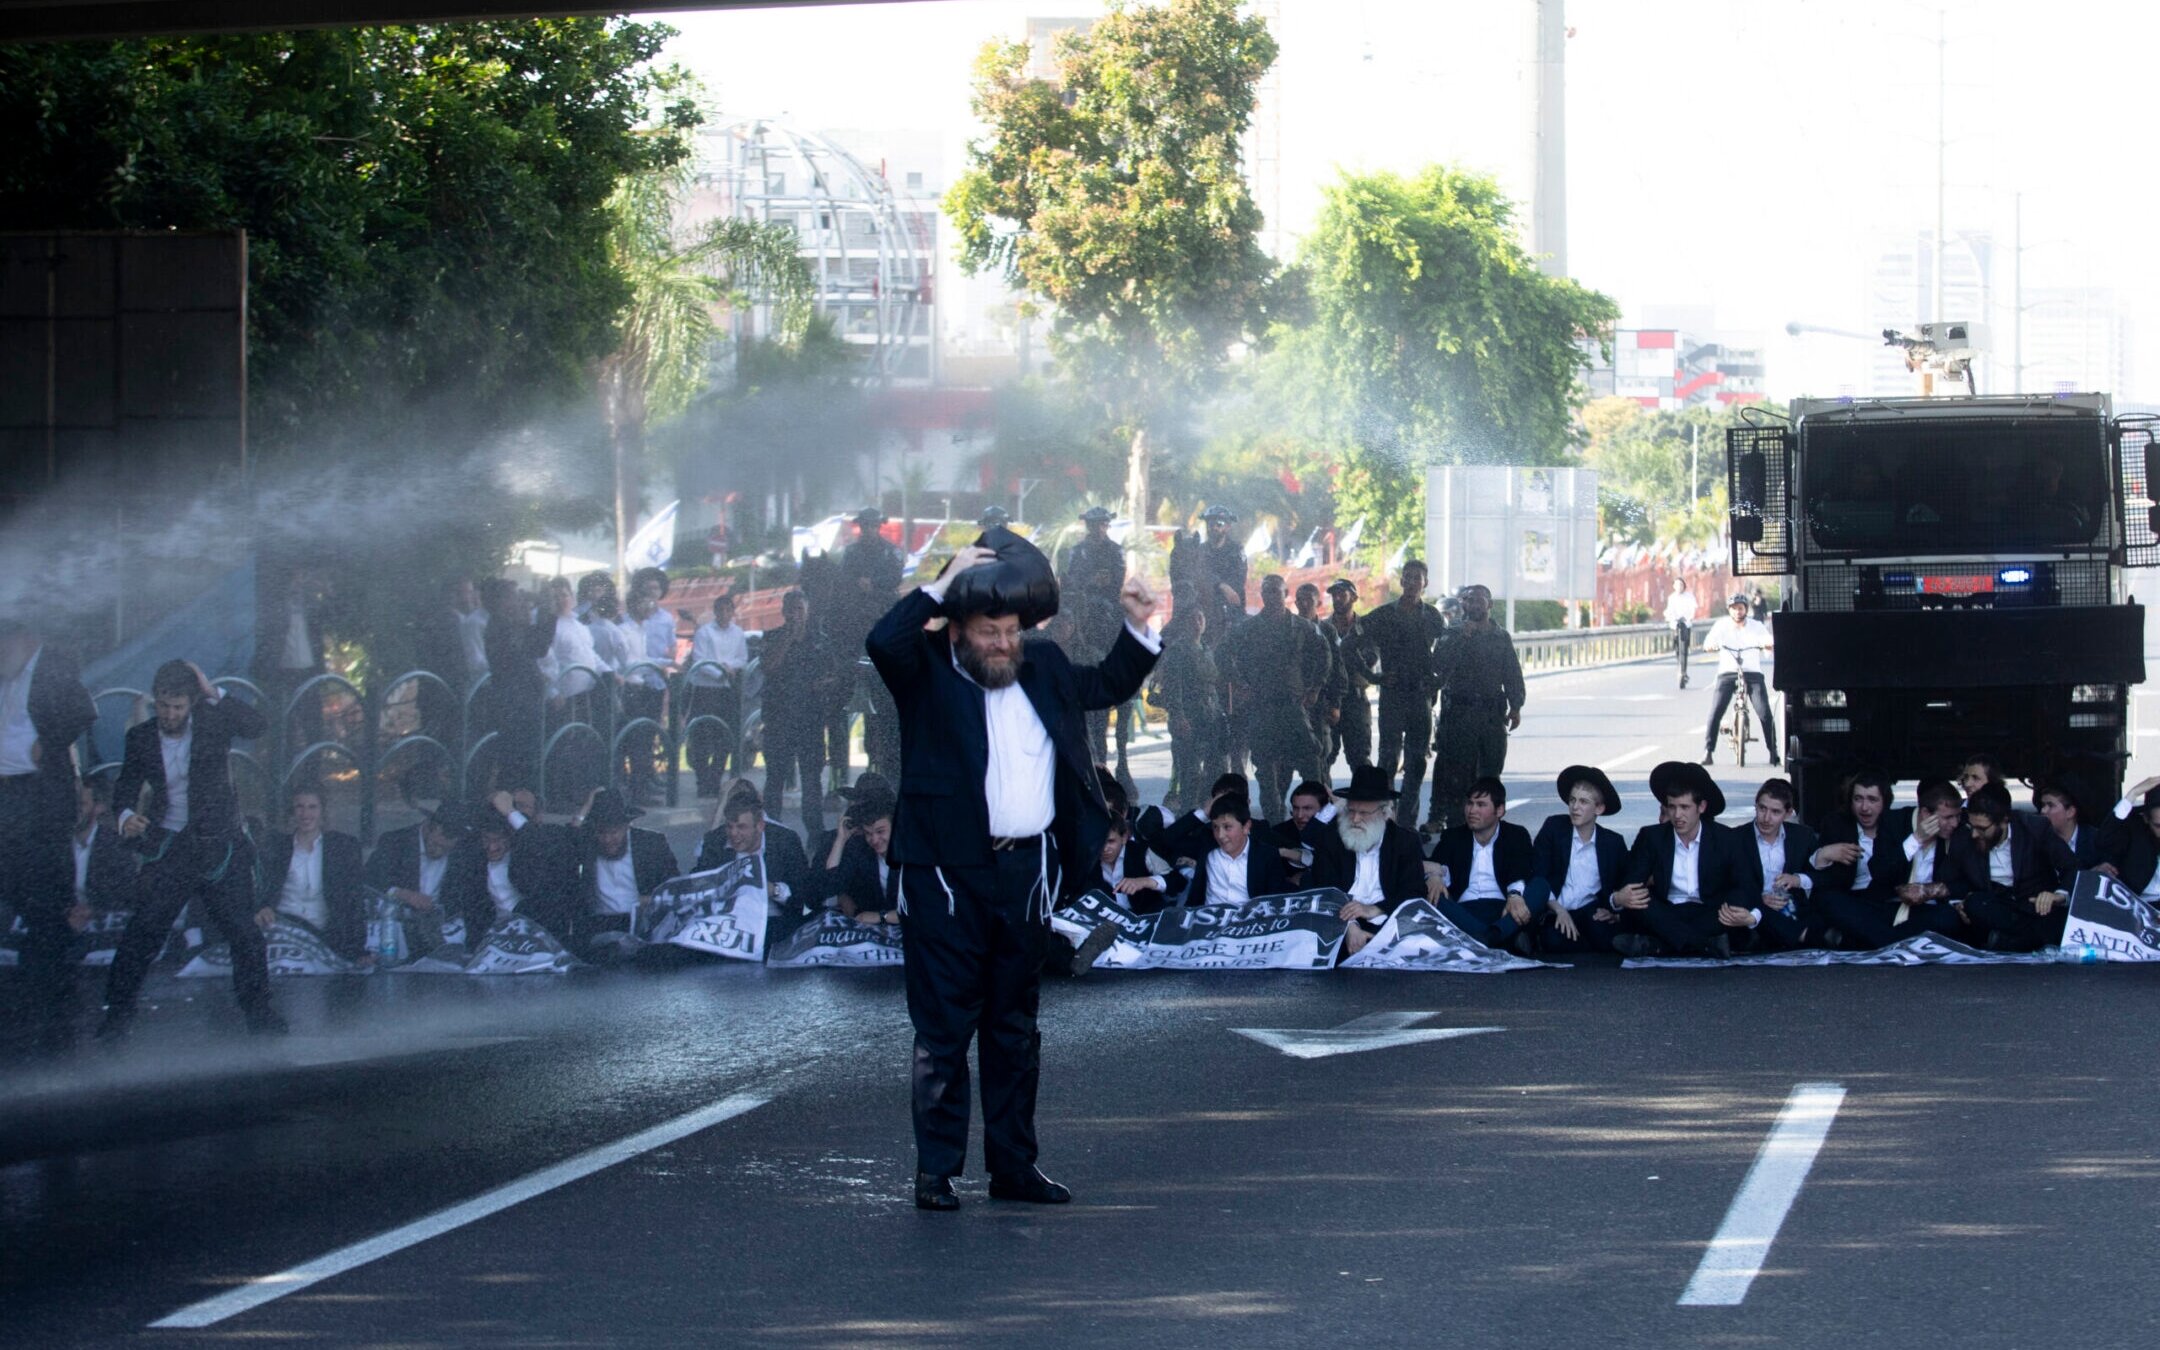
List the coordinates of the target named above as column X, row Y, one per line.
column 1583, row 773
column 1369, row 783
column 1679, row 775
column 1019, row 582
column 609, row 808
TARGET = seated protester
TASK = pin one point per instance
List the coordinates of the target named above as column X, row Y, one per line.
column 105, row 873
column 1976, row 771
column 2002, row 871
column 855, row 876
column 1369, row 858
column 313, row 876
column 412, row 865
column 1575, row 866
column 1938, row 813
column 621, row 866
column 1121, row 808
column 1180, row 842
column 1235, row 869
column 1782, row 914
column 2140, row 866
column 1294, row 838
column 1858, row 866
column 1123, row 871
column 1484, row 866
column 2073, row 845
column 526, row 869
column 744, row 832
column 1631, row 903
column 1692, row 873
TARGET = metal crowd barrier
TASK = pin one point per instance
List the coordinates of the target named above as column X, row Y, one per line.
column 1582, row 648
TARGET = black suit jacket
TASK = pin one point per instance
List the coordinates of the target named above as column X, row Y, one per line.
column 1263, row 872
column 2031, row 869
column 2140, row 854
column 1554, row 849
column 854, row 876
column 1887, row 867
column 1512, row 862
column 943, row 818
column 213, row 807
column 652, row 863
column 2096, row 844
column 1721, row 875
column 110, row 880
column 343, row 882
column 1402, row 865
column 60, row 712
column 395, row 860
column 464, row 889
column 785, row 862
column 1800, row 843
column 514, row 651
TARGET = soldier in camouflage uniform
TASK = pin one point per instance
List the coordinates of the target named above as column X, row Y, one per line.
column 1189, row 691
column 1277, row 664
column 1328, row 708
column 1094, row 574
column 1482, row 683
column 1402, row 635
column 1354, row 675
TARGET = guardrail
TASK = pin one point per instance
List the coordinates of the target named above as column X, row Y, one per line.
column 1582, row 648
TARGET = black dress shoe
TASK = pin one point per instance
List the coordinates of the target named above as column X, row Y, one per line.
column 1031, row 1186
column 934, row 1192
column 1634, row 944
column 267, row 1022
column 114, row 1027
column 1092, row 947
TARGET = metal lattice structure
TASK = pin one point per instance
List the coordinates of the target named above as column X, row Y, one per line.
column 871, row 251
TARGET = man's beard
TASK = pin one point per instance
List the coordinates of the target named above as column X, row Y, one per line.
column 1360, row 838
column 981, row 669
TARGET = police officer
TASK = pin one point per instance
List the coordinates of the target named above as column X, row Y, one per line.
column 1094, row 572
column 1327, row 708
column 1189, row 690
column 1402, row 636
column 1354, row 675
column 1222, row 573
column 1277, row 664
column 1481, row 684
column 994, row 518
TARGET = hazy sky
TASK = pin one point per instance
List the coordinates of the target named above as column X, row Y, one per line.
column 1743, row 155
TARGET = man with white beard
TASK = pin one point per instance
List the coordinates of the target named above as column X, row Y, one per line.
column 1368, row 857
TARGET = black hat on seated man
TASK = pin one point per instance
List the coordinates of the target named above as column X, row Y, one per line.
column 1095, row 514
column 1575, row 774
column 456, row 818
column 1676, row 775
column 1020, row 582
column 1369, row 783
column 609, row 809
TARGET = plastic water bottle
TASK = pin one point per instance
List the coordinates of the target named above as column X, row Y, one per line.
column 2083, row 954
column 388, row 954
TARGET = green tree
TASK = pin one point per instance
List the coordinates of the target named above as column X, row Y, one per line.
column 1661, row 474
column 1438, row 338
column 1118, row 195
column 662, row 356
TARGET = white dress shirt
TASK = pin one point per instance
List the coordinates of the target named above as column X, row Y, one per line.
column 1483, row 883
column 500, row 890
column 1680, row 607
column 1685, row 885
column 472, row 636
column 573, row 648
column 1226, row 877
column 1772, row 853
column 299, row 650
column 2000, row 870
column 1583, row 879
column 615, row 885
column 728, row 648
column 1923, row 865
column 608, row 645
column 1365, row 885
column 431, row 874
column 1739, row 646
column 17, row 733
column 302, row 895
column 176, row 751
column 1864, row 868
column 82, row 848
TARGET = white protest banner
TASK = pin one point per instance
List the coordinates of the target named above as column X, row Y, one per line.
column 834, row 939
column 1419, row 937
column 1922, row 949
column 1299, row 931
column 2108, row 920
column 295, row 948
column 721, row 911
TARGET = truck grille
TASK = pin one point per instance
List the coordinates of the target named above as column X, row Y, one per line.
column 1845, row 587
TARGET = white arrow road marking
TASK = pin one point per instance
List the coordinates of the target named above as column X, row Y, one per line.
column 1743, row 1241
column 1374, row 1031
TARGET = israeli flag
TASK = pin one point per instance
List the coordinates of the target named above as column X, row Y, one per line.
column 1308, row 554
column 653, row 545
column 1260, row 540
column 1347, row 545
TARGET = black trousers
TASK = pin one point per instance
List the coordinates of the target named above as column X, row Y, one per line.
column 2016, row 927
column 219, row 871
column 1757, row 695
column 1353, row 734
column 974, row 939
column 1869, row 922
column 1688, row 930
column 711, row 748
column 1683, row 639
column 1471, row 744
column 786, row 749
column 37, row 881
column 1405, row 732
column 1590, row 935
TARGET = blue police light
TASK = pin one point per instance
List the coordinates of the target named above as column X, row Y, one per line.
column 2014, row 576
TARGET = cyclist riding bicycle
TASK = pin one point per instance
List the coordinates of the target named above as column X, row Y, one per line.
column 1739, row 640
column 1680, row 613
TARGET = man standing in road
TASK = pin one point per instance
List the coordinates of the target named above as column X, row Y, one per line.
column 1739, row 641
column 997, row 795
column 43, row 710
column 1482, row 693
column 1680, row 616
column 1402, row 636
column 1354, row 675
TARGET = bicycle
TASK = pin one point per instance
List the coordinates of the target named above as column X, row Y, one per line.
column 1739, row 724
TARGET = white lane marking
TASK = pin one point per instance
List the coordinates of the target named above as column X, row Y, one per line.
column 1629, row 758
column 1743, row 1241
column 1514, row 802
column 1373, row 1031
column 257, row 1292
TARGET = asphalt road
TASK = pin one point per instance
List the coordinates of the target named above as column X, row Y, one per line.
column 1989, row 1179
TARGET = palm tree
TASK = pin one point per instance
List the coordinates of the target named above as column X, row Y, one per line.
column 677, row 281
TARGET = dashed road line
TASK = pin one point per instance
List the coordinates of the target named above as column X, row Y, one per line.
column 1743, row 1241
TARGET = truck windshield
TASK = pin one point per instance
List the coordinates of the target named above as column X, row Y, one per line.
column 1954, row 486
